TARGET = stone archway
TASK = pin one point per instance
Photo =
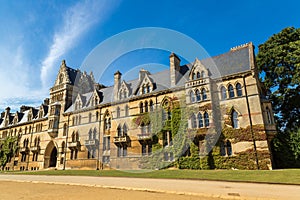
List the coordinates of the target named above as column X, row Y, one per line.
column 50, row 156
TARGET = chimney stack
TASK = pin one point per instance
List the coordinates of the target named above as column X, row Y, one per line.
column 174, row 68
column 117, row 84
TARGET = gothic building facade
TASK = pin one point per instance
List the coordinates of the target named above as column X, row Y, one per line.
column 85, row 125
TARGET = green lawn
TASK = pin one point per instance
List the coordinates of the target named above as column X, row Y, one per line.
column 287, row 176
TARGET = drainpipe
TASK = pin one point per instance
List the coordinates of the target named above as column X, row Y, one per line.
column 250, row 121
column 66, row 144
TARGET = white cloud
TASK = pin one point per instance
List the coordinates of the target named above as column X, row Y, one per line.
column 77, row 20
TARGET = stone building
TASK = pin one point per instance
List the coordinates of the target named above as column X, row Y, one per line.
column 85, row 125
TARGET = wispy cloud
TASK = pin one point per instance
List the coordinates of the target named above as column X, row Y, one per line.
column 77, row 20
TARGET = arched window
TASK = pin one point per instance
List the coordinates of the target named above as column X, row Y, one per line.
column 228, row 148
column 65, row 130
column 239, row 91
column 206, row 119
column 141, row 107
column 203, row 74
column 198, row 75
column 77, row 136
column 73, row 137
column 79, row 120
column 90, row 134
column 204, row 96
column 148, row 89
column 194, row 76
column 125, row 130
column 151, row 106
column 94, row 133
column 230, row 91
column 90, row 117
column 223, row 93
column 222, row 149
column 200, row 120
column 97, row 116
column 146, row 106
column 144, row 89
column 143, row 129
column 119, row 131
column 118, row 112
column 193, row 121
column 269, row 116
column 234, row 119
column 198, row 96
column 126, row 110
column 192, row 97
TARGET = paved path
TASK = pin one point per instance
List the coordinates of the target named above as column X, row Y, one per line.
column 228, row 190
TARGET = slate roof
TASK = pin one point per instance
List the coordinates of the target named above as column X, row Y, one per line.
column 232, row 62
column 72, row 74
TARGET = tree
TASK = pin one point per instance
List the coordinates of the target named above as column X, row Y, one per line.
column 278, row 60
column 8, row 147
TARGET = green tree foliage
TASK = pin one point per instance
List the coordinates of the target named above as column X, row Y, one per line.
column 8, row 147
column 286, row 148
column 279, row 60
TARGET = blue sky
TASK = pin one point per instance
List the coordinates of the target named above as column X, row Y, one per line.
column 36, row 35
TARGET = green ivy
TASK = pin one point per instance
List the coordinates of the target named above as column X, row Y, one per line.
column 8, row 147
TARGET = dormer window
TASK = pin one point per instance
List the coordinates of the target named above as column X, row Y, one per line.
column 146, row 89
column 29, row 118
column 123, row 94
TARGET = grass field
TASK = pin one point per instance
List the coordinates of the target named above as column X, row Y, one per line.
column 287, row 176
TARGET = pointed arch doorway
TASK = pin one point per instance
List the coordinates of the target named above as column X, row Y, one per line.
column 50, row 157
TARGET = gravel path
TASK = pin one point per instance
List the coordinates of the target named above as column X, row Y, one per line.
column 209, row 189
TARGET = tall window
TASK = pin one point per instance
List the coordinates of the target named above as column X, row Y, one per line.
column 106, row 143
column 146, row 106
column 230, row 91
column 143, row 129
column 223, row 93
column 203, row 74
column 198, row 97
column 193, row 121
column 107, row 122
column 118, row 112
column 206, row 119
column 125, row 130
column 119, row 131
column 234, row 119
column 90, row 117
column 65, row 130
column 198, row 75
column 126, row 110
column 239, row 90
column 204, row 96
column 151, row 106
column 192, row 97
column 141, row 107
column 200, row 120
column 228, row 148
column 194, row 76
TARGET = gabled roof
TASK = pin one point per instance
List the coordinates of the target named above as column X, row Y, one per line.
column 235, row 61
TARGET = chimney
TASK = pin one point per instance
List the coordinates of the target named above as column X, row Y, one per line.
column 117, row 84
column 46, row 101
column 174, row 68
column 2, row 114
